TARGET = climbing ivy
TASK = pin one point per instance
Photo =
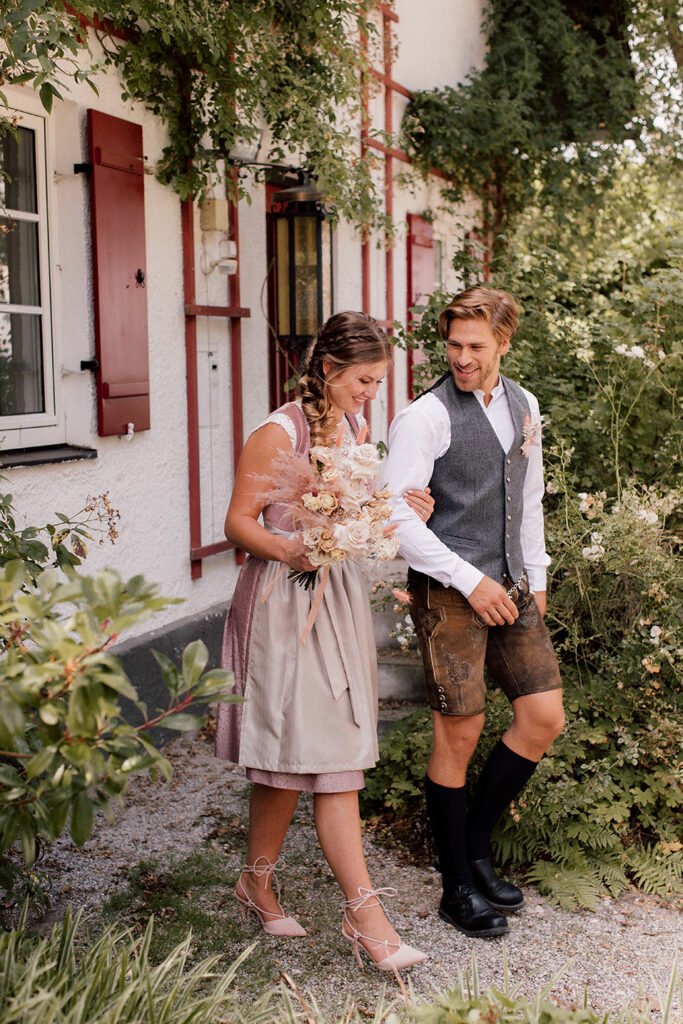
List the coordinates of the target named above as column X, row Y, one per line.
column 215, row 73
column 557, row 93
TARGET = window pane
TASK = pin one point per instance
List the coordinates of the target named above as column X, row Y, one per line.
column 18, row 171
column 21, row 364
column 19, row 278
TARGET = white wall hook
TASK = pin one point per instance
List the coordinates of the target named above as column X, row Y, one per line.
column 128, row 436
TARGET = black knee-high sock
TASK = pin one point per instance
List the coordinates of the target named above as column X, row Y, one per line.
column 446, row 808
column 503, row 776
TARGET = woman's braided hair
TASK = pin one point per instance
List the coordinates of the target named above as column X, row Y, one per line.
column 346, row 339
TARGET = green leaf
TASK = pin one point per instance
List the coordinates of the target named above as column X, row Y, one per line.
column 195, row 658
column 169, row 673
column 81, row 818
column 28, row 842
column 182, row 722
column 51, row 714
column 47, row 95
column 42, row 762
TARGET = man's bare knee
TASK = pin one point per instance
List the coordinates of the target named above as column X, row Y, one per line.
column 457, row 735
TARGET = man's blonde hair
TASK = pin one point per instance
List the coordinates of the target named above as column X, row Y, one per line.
column 496, row 307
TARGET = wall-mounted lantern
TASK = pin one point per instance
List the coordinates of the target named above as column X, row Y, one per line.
column 303, row 264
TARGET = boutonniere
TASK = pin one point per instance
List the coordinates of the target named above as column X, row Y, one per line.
column 531, row 432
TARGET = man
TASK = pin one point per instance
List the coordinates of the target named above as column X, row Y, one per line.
column 477, row 579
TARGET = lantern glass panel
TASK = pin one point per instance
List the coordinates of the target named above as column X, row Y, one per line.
column 326, row 271
column 306, row 275
column 282, row 277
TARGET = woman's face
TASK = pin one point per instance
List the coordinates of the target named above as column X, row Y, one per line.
column 355, row 385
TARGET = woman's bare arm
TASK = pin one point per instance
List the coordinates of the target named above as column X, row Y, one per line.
column 242, row 527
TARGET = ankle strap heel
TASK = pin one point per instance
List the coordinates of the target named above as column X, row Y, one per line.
column 272, row 922
column 397, row 955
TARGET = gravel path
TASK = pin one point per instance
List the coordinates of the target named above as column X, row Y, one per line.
column 620, row 953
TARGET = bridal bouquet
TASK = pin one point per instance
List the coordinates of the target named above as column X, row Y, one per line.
column 332, row 498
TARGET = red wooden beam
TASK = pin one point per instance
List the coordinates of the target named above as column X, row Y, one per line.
column 233, row 312
column 388, row 12
column 234, row 293
column 389, row 82
column 194, row 480
column 210, row 549
column 389, row 203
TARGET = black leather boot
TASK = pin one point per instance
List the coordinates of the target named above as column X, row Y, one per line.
column 467, row 910
column 500, row 894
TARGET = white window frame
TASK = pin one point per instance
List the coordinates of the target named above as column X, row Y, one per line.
column 43, row 428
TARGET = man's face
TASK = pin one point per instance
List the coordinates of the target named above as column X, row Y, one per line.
column 474, row 355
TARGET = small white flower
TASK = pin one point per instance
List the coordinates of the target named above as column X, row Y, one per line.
column 585, row 354
column 551, row 487
column 655, row 634
column 648, row 515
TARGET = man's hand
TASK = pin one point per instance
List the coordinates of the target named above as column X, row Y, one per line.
column 492, row 604
column 540, row 597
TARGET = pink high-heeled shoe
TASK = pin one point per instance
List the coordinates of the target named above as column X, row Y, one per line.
column 398, row 955
column 271, row 922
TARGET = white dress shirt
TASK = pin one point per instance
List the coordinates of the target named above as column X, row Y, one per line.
column 421, row 434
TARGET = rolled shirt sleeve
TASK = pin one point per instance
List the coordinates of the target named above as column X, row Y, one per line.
column 532, row 534
column 418, row 436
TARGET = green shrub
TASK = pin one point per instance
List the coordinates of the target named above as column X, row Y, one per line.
column 66, row 750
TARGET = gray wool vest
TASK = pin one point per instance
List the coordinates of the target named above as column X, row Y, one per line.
column 477, row 487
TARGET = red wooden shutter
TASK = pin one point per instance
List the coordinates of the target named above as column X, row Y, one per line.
column 421, row 273
column 120, row 274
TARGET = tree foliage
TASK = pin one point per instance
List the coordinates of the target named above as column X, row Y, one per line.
column 217, row 74
column 564, row 83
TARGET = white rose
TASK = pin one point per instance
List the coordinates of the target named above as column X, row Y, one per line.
column 386, row 548
column 363, row 461
column 352, row 538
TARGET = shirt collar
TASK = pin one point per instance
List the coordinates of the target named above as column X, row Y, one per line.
column 496, row 391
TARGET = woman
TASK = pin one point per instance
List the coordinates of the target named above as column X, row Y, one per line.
column 309, row 722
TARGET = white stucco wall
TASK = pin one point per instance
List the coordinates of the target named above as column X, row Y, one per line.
column 147, row 478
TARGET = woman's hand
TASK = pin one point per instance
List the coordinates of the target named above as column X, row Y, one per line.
column 421, row 503
column 294, row 554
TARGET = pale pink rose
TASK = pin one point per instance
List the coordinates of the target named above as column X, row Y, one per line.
column 323, row 456
column 352, row 537
column 362, row 461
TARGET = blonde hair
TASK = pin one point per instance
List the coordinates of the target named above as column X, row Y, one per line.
column 497, row 307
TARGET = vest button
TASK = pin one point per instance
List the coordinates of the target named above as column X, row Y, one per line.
column 507, row 536
column 507, row 478
column 509, row 517
column 507, row 554
column 509, row 462
column 509, row 498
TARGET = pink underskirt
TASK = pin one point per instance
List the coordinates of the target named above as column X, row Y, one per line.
column 322, row 782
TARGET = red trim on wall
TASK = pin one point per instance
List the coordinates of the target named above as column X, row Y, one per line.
column 235, row 313
column 234, row 297
column 194, row 479
column 389, row 203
